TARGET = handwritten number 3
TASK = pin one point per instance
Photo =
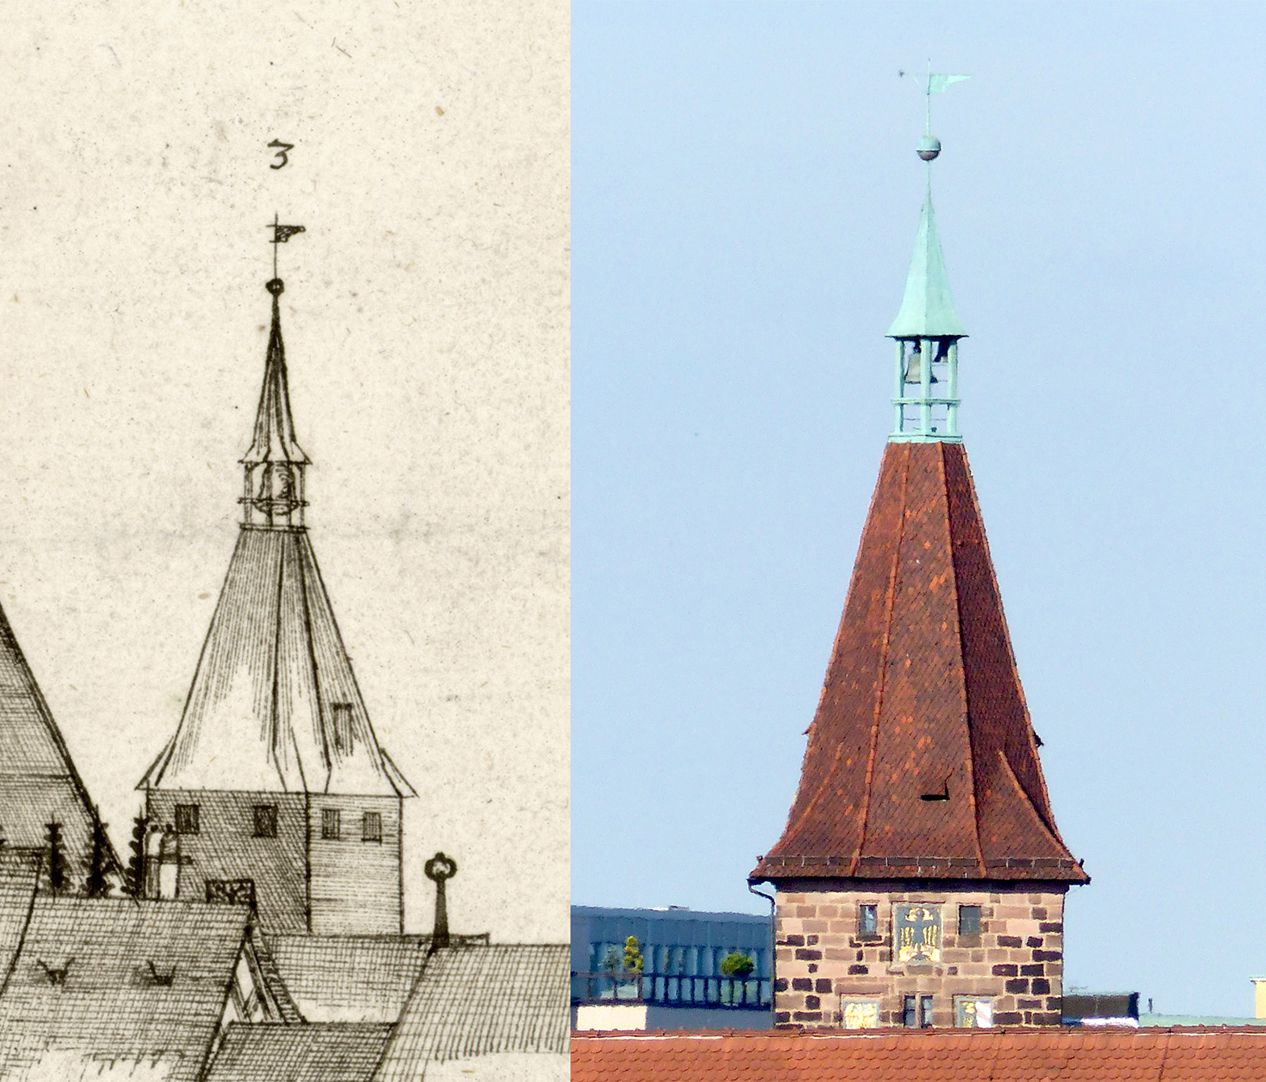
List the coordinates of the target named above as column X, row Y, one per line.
column 282, row 152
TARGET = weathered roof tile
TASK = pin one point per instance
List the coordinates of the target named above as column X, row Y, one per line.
column 921, row 760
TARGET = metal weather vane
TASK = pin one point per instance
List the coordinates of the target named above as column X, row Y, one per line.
column 935, row 83
column 281, row 235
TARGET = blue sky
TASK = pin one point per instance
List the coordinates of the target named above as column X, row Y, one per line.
column 745, row 197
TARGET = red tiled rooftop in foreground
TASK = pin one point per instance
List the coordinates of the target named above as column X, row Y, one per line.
column 921, row 760
column 1029, row 1055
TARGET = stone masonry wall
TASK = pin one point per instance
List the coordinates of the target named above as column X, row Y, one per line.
column 1017, row 959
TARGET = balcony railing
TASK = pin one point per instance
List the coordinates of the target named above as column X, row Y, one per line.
column 671, row 989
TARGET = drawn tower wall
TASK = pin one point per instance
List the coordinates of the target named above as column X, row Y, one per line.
column 355, row 861
column 235, row 846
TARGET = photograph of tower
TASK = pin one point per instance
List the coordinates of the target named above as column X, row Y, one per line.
column 888, row 893
column 261, row 840
column 920, row 878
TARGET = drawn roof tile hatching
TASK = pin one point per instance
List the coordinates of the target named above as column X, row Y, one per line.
column 922, row 699
column 327, row 1052
column 356, row 978
column 38, row 781
column 141, row 983
column 1033, row 1055
column 478, row 1001
column 274, row 704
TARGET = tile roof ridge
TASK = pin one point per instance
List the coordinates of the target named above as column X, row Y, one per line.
column 889, row 607
column 961, row 671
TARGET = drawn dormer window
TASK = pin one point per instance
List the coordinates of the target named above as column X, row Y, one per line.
column 342, row 727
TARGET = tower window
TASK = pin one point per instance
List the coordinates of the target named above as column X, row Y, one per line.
column 186, row 818
column 910, row 1012
column 331, row 827
column 868, row 920
column 371, row 827
column 859, row 1013
column 265, row 817
column 916, row 1012
column 973, row 1012
column 969, row 920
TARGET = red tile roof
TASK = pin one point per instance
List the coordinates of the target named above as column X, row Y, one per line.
column 1070, row 1055
column 922, row 698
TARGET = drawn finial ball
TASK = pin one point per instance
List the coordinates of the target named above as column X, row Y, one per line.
column 440, row 868
column 929, row 147
column 275, row 286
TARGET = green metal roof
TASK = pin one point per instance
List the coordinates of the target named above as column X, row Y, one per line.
column 927, row 309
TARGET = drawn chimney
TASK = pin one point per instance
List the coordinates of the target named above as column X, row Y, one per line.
column 440, row 869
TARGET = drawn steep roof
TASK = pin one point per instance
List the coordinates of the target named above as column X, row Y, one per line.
column 38, row 781
column 479, row 1001
column 110, row 1008
column 274, row 704
column 922, row 700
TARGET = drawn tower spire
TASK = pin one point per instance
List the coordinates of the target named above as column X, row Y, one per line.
column 920, row 877
column 275, row 741
column 274, row 466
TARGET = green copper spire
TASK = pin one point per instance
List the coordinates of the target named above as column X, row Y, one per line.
column 927, row 309
column 927, row 329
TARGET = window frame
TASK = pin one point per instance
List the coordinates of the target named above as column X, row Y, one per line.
column 927, row 1007
column 979, row 911
column 331, row 816
column 917, row 1010
column 188, row 819
column 264, row 819
column 864, row 1001
column 366, row 835
column 871, row 908
column 910, row 1011
column 961, row 1000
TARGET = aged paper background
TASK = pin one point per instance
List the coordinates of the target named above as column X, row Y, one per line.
column 425, row 319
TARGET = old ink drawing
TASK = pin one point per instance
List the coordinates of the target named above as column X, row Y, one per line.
column 253, row 926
